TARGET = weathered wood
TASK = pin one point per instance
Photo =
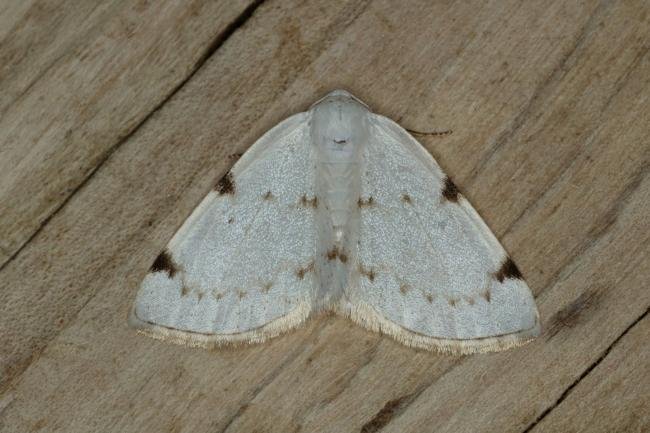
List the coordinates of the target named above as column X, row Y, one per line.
column 189, row 151
column 614, row 396
column 548, row 104
column 11, row 11
column 78, row 77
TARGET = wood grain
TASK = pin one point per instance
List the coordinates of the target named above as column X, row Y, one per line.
column 614, row 395
column 77, row 78
column 548, row 103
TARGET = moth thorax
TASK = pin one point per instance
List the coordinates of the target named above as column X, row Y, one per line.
column 339, row 233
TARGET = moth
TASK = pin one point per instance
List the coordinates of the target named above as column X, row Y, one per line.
column 337, row 209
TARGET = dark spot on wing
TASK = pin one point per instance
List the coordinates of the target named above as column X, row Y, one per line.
column 404, row 288
column 470, row 301
column 336, row 253
column 268, row 196
column 508, row 270
column 450, row 191
column 406, row 198
column 366, row 203
column 429, row 298
column 486, row 295
column 184, row 290
column 217, row 295
column 301, row 272
column 307, row 202
column 199, row 295
column 164, row 263
column 242, row 294
column 226, row 185
column 231, row 220
column 267, row 286
column 452, row 301
column 370, row 274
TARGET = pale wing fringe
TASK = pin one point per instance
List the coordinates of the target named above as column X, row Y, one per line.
column 366, row 316
column 197, row 339
column 361, row 314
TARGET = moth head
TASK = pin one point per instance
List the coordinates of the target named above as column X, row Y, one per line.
column 341, row 95
column 339, row 122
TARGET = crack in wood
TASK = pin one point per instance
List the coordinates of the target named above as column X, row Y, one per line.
column 637, row 178
column 555, row 74
column 590, row 242
column 585, row 373
column 392, row 409
column 218, row 41
column 299, row 349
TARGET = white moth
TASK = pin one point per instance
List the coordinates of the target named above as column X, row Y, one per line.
column 340, row 209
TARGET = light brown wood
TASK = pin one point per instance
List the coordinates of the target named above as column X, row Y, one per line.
column 548, row 103
column 76, row 79
column 614, row 395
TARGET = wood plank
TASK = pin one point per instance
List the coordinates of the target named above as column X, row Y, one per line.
column 614, row 396
column 79, row 250
column 11, row 12
column 550, row 148
column 76, row 78
column 38, row 34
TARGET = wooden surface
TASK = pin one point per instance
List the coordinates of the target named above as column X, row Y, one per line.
column 116, row 117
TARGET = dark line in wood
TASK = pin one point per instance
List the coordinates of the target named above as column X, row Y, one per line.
column 622, row 81
column 381, row 420
column 300, row 348
column 585, row 373
column 592, row 238
column 219, row 40
column 431, row 133
column 212, row 48
column 558, row 71
column 370, row 356
column 572, row 314
column 460, row 360
column 549, row 185
column 610, row 217
column 384, row 416
column 32, row 83
column 344, row 384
